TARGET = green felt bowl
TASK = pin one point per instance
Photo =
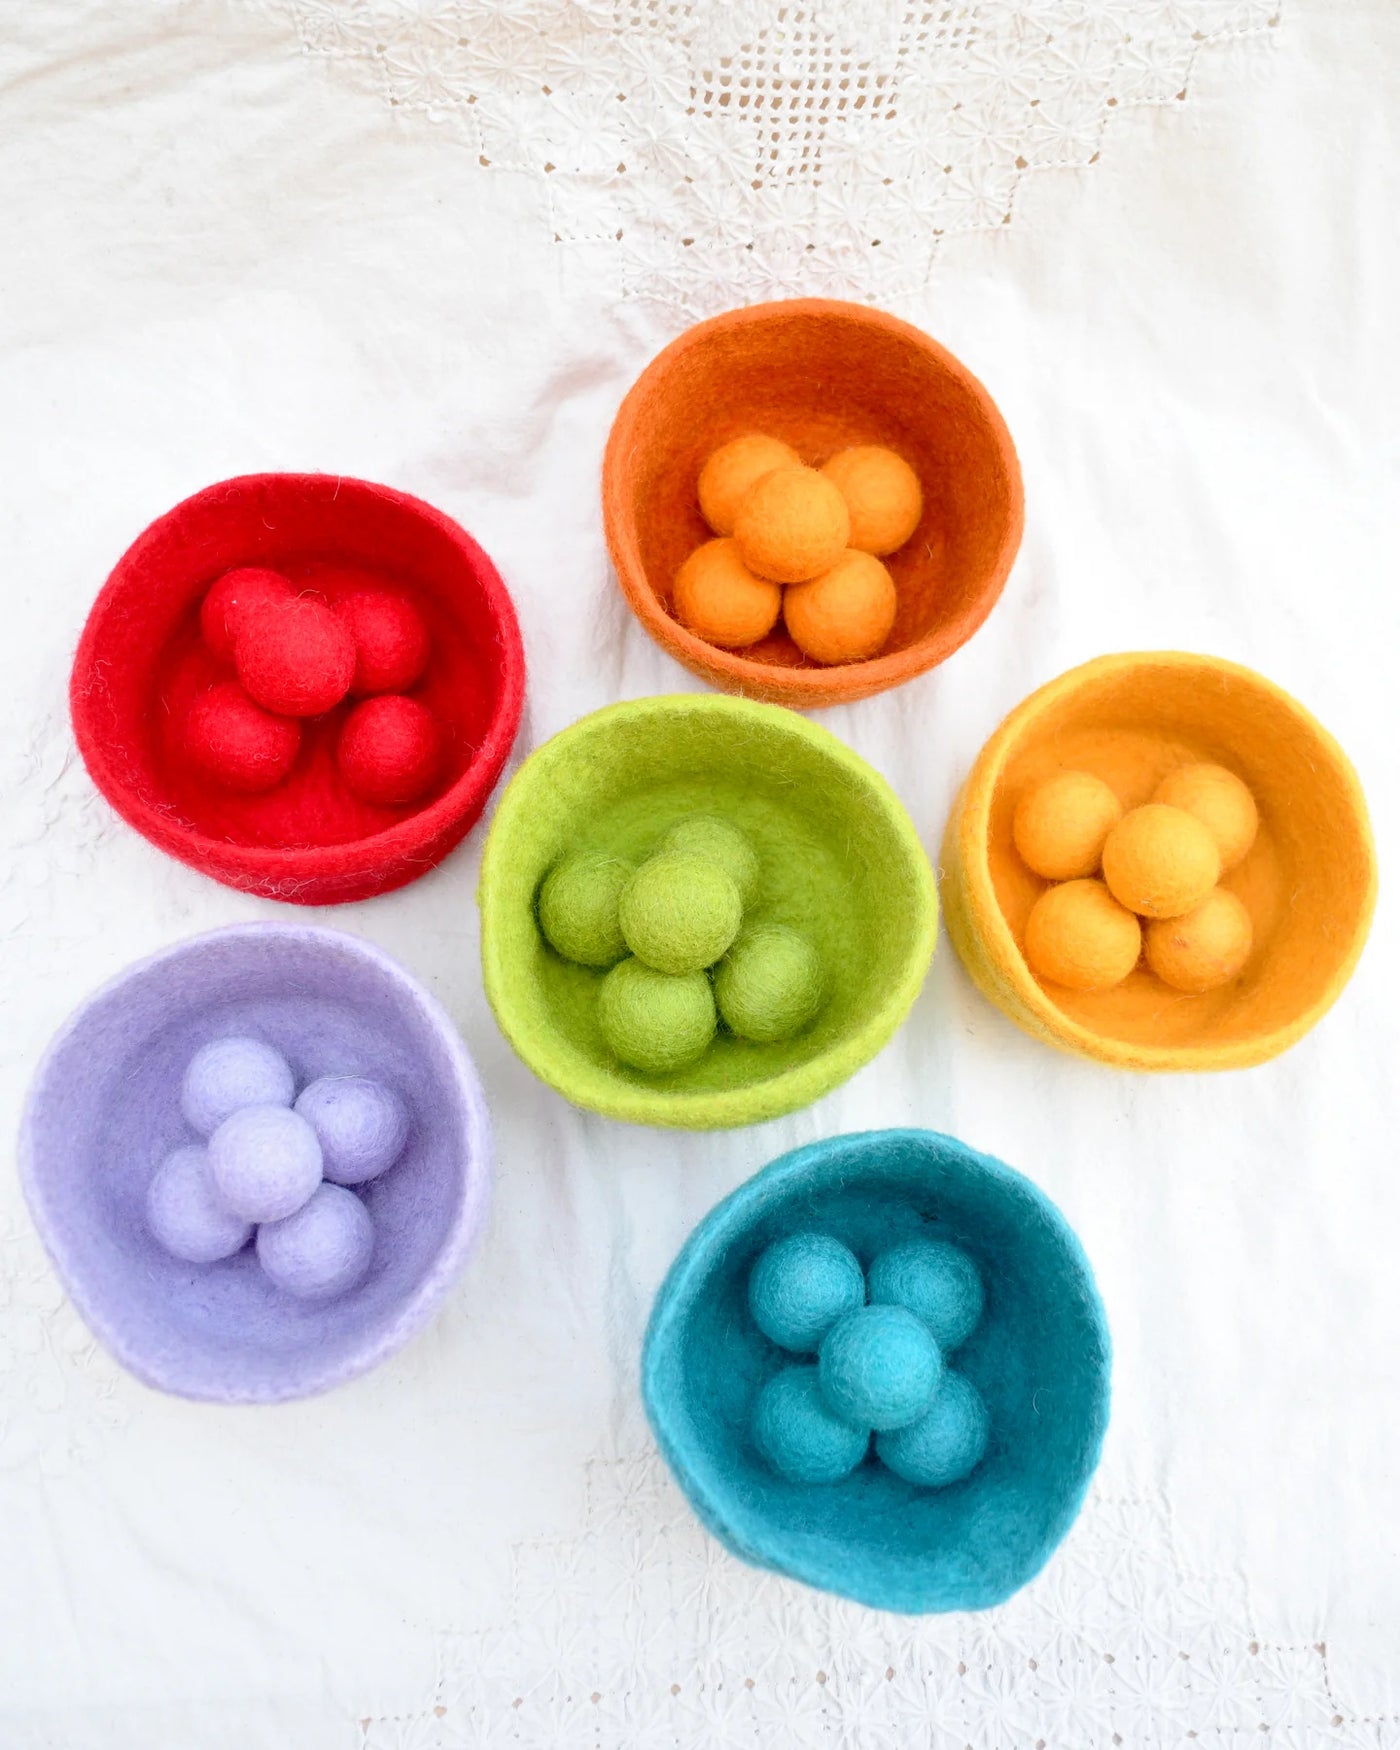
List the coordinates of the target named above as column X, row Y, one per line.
column 840, row 861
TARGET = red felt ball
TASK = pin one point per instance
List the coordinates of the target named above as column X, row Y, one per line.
column 294, row 656
column 391, row 641
column 236, row 742
column 390, row 750
column 230, row 599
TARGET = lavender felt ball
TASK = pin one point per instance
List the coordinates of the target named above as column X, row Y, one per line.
column 361, row 1125
column 186, row 1213
column 266, row 1162
column 323, row 1249
column 231, row 1073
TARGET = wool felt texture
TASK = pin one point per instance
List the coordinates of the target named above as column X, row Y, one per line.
column 799, row 1435
column 1059, row 827
column 945, row 1444
column 840, row 862
column 361, row 1125
column 141, row 662
column 578, row 908
column 236, row 744
column 706, row 835
column 186, row 1214
column 1039, row 1358
column 879, row 1367
column 1160, row 861
column 1204, row 948
column 265, row 1162
column 1308, row 883
column 1220, row 801
column 800, row 1286
column 230, row 1073
column 654, row 1021
column 679, row 912
column 769, row 985
column 937, row 1282
column 1079, row 936
column 732, row 471
column 821, row 375
column 322, row 1250
column 390, row 750
column 294, row 656
column 845, row 615
column 391, row 641
column 792, row 525
column 882, row 494
column 721, row 600
column 104, row 1111
column 230, row 598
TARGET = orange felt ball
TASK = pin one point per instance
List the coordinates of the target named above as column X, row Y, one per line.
column 882, row 493
column 792, row 525
column 1160, row 861
column 731, row 473
column 845, row 614
column 1079, row 936
column 1220, row 801
column 237, row 743
column 1205, row 947
column 390, row 750
column 720, row 599
column 1060, row 826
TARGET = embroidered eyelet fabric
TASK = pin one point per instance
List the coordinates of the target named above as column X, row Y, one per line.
column 432, row 244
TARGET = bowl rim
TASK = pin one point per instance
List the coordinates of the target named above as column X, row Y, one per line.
column 965, row 865
column 719, row 1108
column 729, row 1219
column 294, row 871
column 809, row 688
column 477, row 1171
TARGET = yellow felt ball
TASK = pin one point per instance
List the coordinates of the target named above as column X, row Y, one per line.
column 1220, row 801
column 882, row 493
column 1204, row 948
column 720, row 599
column 1160, row 861
column 844, row 615
column 733, row 470
column 792, row 525
column 1079, row 936
column 1060, row 825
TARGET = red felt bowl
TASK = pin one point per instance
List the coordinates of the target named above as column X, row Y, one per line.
column 141, row 663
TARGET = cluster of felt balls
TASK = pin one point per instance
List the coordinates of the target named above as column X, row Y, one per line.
column 820, row 532
column 1160, row 863
column 296, row 656
column 672, row 933
column 278, row 1165
column 881, row 1339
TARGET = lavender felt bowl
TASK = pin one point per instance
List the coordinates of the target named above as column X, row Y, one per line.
column 104, row 1111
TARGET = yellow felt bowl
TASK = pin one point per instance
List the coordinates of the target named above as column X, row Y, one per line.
column 1309, row 882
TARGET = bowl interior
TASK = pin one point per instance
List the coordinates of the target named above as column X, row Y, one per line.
column 105, row 1112
column 1039, row 1357
column 1307, row 881
column 147, row 662
column 823, row 376
column 840, row 862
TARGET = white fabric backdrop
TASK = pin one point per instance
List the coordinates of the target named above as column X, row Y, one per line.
column 364, row 237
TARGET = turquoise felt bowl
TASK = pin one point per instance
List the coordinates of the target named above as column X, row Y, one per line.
column 1039, row 1358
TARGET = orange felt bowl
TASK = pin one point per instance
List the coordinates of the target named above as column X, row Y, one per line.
column 1309, row 882
column 821, row 375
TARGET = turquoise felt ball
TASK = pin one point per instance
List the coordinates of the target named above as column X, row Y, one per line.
column 680, row 913
column 578, row 907
column 769, row 985
column 655, row 1021
column 946, row 1443
column 937, row 1281
column 707, row 836
column 797, row 1433
column 880, row 1367
column 799, row 1288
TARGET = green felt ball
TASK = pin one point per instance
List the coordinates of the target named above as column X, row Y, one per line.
column 770, row 984
column 656, row 1021
column 679, row 913
column 578, row 907
column 706, row 835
